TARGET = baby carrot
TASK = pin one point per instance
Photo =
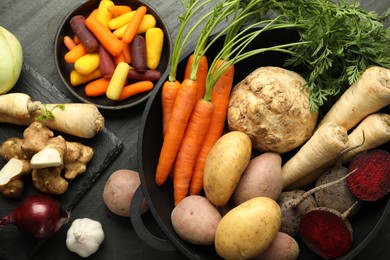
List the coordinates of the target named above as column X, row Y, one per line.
column 69, row 43
column 131, row 29
column 121, row 20
column 103, row 15
column 97, row 87
column 154, row 42
column 87, row 63
column 184, row 103
column 75, row 53
column 76, row 39
column 117, row 10
column 112, row 44
column 135, row 88
column 118, row 81
column 78, row 79
column 106, row 62
column 126, row 53
column 195, row 133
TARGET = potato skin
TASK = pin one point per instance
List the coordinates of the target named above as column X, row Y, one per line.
column 224, row 166
column 195, row 220
column 283, row 247
column 119, row 190
column 262, row 178
column 248, row 229
column 271, row 106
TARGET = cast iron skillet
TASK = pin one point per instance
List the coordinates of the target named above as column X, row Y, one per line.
column 160, row 199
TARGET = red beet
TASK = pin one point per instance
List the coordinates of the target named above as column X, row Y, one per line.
column 326, row 232
column 370, row 180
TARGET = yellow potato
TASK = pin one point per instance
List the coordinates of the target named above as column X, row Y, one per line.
column 224, row 166
column 248, row 229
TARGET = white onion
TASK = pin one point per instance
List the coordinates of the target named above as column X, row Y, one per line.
column 11, row 58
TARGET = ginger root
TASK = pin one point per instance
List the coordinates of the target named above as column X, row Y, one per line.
column 35, row 138
column 49, row 180
column 76, row 159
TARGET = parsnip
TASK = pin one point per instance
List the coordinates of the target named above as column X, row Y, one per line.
column 368, row 95
column 78, row 119
column 324, row 146
column 376, row 128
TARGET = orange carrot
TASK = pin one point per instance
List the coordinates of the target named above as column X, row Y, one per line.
column 93, row 13
column 75, row 53
column 69, row 43
column 220, row 97
column 76, row 39
column 201, row 73
column 117, row 10
column 119, row 58
column 97, row 87
column 194, row 136
column 131, row 29
column 112, row 44
column 168, row 95
column 126, row 53
column 135, row 88
column 184, row 103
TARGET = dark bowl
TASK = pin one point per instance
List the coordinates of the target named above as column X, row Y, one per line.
column 65, row 68
column 160, row 199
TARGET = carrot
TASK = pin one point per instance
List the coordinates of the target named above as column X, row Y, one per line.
column 103, row 15
column 324, row 146
column 75, row 53
column 112, row 44
column 168, row 97
column 69, row 43
column 135, row 88
column 77, row 79
column 76, row 39
column 106, row 62
column 119, row 21
column 87, row 64
column 154, row 41
column 374, row 130
column 97, row 87
column 117, row 10
column 131, row 29
column 181, row 112
column 126, row 53
column 368, row 95
column 220, row 97
column 118, row 81
column 77, row 23
column 193, row 138
column 200, row 74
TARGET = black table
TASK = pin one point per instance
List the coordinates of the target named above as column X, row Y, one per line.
column 34, row 22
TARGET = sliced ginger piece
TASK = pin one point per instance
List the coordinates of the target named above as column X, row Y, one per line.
column 11, row 183
column 52, row 155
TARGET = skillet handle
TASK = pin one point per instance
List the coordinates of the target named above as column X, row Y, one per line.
column 139, row 227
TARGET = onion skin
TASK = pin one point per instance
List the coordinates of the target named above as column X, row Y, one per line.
column 38, row 217
column 11, row 59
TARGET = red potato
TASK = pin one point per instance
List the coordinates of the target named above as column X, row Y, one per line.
column 119, row 191
column 283, row 247
column 151, row 75
column 262, row 178
column 138, row 53
column 89, row 41
column 107, row 64
column 195, row 220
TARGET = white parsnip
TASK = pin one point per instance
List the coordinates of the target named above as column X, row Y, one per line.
column 78, row 119
column 368, row 95
column 324, row 146
column 376, row 129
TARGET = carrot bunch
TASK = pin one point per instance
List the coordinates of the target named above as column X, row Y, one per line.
column 194, row 111
column 115, row 51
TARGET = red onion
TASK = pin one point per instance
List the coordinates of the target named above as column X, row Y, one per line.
column 38, row 217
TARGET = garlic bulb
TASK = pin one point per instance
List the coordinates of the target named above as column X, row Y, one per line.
column 84, row 236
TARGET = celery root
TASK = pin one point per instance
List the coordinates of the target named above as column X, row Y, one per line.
column 324, row 146
column 373, row 132
column 368, row 95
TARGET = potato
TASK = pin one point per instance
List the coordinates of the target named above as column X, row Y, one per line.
column 262, row 178
column 119, row 190
column 271, row 106
column 283, row 247
column 224, row 166
column 248, row 229
column 195, row 220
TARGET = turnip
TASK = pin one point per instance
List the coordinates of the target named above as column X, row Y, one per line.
column 327, row 232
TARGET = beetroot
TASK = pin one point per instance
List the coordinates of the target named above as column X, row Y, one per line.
column 370, row 180
column 326, row 232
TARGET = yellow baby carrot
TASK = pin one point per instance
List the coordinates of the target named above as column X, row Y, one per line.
column 154, row 41
column 103, row 15
column 118, row 81
column 87, row 63
column 121, row 20
column 78, row 79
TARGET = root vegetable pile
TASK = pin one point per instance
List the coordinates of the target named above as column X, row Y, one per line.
column 51, row 160
column 114, row 52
